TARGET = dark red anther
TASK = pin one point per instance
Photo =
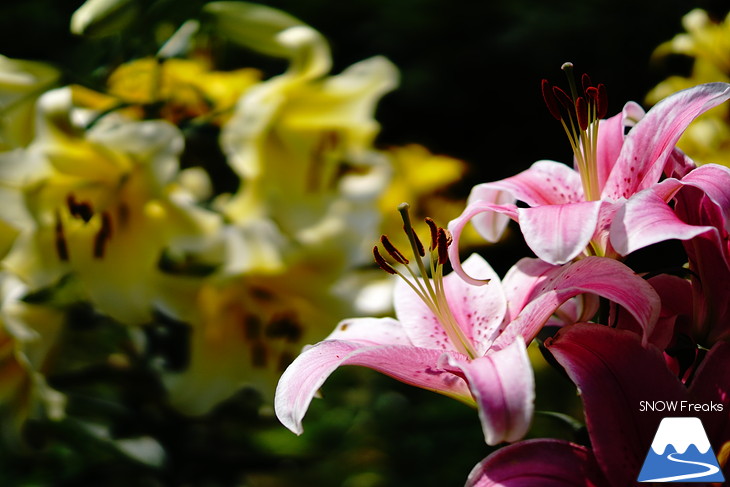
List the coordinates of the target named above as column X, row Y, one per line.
column 586, row 82
column 550, row 100
column 394, row 252
column 444, row 240
column 449, row 237
column 581, row 110
column 564, row 99
column 602, row 101
column 381, row 262
column 434, row 232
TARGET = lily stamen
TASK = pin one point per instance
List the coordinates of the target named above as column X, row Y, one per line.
column 584, row 113
column 430, row 291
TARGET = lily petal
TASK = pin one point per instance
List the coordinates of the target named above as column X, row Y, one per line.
column 412, row 365
column 489, row 213
column 593, row 275
column 539, row 462
column 479, row 310
column 710, row 264
column 714, row 181
column 503, row 386
column 559, row 233
column 544, row 183
column 614, row 372
column 611, row 135
column 523, row 279
column 375, row 331
column 646, row 219
column 712, row 384
column 648, row 145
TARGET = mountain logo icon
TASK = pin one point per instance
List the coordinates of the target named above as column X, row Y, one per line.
column 680, row 452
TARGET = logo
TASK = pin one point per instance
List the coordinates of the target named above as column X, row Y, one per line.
column 680, row 452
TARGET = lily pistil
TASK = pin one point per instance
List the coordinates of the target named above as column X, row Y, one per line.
column 579, row 114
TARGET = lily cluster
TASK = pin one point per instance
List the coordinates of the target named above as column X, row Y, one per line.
column 217, row 218
column 621, row 329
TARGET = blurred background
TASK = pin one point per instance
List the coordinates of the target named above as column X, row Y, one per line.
column 470, row 71
column 469, row 88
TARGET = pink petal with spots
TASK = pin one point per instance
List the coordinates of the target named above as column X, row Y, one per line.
column 538, row 463
column 479, row 310
column 503, row 387
column 418, row 321
column 491, row 205
column 415, row 366
column 559, row 233
column 544, row 183
column 601, row 276
column 650, row 143
column 375, row 331
column 611, row 134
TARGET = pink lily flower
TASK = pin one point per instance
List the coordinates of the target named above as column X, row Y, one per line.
column 569, row 210
column 614, row 373
column 466, row 342
column 699, row 215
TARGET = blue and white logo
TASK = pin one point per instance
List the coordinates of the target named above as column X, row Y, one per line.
column 681, row 452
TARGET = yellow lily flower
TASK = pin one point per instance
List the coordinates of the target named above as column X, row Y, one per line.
column 707, row 42
column 302, row 145
column 104, row 205
column 27, row 334
column 21, row 83
column 188, row 88
column 246, row 330
column 302, row 222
